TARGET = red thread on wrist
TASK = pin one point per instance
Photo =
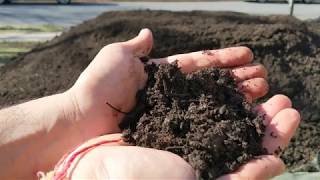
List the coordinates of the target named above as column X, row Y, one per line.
column 65, row 162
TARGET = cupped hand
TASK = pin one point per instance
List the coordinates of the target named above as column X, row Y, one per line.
column 107, row 87
column 109, row 78
column 118, row 161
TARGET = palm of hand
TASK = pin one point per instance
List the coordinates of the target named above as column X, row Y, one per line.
column 126, row 162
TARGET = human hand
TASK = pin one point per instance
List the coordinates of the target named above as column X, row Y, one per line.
column 108, row 86
column 117, row 161
column 125, row 161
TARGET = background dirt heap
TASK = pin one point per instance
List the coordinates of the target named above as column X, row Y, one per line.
column 287, row 47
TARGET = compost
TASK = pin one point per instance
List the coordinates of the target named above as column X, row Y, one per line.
column 202, row 117
column 289, row 49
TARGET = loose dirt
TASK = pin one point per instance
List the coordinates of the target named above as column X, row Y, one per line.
column 200, row 116
column 287, row 47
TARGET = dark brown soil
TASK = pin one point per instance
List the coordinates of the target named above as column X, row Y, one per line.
column 202, row 117
column 287, row 47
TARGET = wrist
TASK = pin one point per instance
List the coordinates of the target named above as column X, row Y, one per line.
column 71, row 114
column 92, row 116
column 45, row 129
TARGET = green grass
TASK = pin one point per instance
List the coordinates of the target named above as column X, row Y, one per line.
column 9, row 44
column 34, row 29
column 11, row 49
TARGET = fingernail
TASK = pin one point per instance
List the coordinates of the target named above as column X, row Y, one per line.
column 141, row 31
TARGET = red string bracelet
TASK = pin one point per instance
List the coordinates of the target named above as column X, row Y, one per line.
column 61, row 169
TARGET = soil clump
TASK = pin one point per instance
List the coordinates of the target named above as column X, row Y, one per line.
column 201, row 116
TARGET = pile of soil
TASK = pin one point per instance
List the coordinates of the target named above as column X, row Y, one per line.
column 287, row 47
column 202, row 117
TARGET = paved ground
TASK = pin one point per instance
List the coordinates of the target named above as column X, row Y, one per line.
column 73, row 14
column 18, row 37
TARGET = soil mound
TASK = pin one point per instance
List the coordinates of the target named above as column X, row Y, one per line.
column 202, row 117
column 287, row 47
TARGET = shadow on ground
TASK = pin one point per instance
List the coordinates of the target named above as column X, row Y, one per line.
column 55, row 4
column 281, row 2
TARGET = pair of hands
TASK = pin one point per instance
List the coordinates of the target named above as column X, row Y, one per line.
column 115, row 76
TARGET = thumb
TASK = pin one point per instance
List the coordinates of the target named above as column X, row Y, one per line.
column 142, row 44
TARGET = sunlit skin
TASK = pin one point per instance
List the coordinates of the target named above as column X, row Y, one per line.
column 41, row 131
column 117, row 160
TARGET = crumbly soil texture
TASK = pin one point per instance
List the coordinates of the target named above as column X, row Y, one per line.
column 289, row 48
column 201, row 116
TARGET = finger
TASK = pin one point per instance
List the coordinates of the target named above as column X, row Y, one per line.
column 227, row 57
column 142, row 44
column 274, row 105
column 249, row 72
column 262, row 168
column 281, row 129
column 254, row 88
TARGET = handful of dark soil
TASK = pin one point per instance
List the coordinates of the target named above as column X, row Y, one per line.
column 202, row 117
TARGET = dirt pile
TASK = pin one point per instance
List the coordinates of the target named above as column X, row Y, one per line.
column 287, row 47
column 202, row 117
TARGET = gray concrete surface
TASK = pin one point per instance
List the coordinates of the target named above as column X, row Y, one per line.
column 18, row 37
column 73, row 14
